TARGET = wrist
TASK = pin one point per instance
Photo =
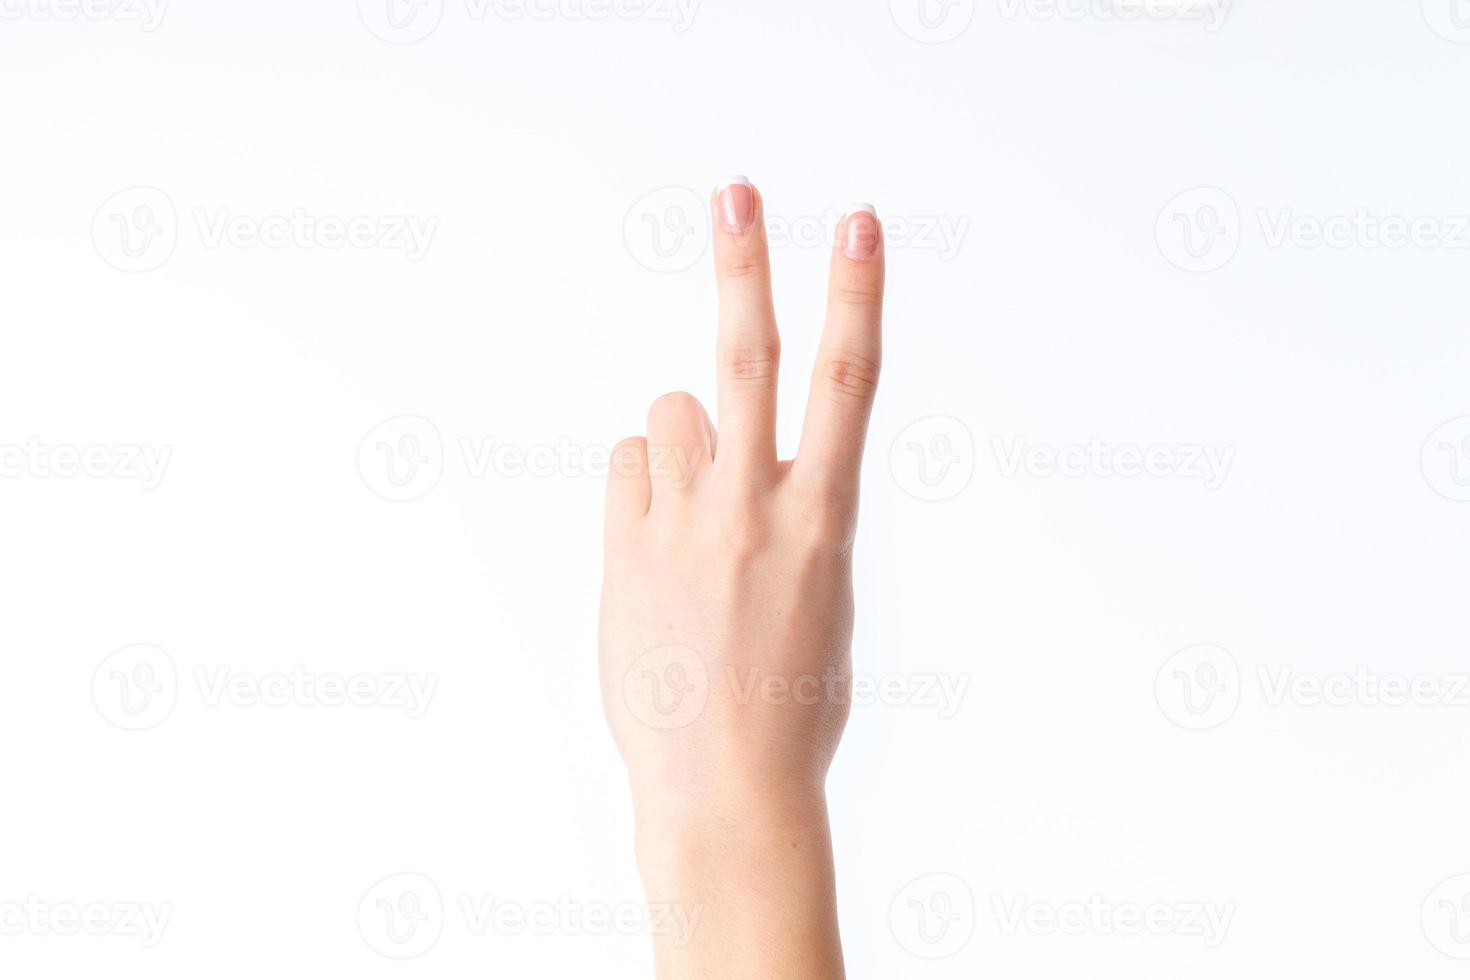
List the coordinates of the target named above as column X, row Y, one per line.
column 697, row 826
column 750, row 873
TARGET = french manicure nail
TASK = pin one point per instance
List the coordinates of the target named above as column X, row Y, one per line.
column 736, row 202
column 861, row 232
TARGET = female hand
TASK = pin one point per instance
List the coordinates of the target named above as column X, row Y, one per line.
column 727, row 618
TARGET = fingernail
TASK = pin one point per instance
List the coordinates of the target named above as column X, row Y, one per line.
column 736, row 202
column 861, row 232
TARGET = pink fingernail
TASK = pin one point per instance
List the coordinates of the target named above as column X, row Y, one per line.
column 861, row 232
column 736, row 202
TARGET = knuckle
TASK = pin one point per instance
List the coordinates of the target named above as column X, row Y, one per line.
column 739, row 528
column 672, row 406
column 742, row 535
column 631, row 446
column 826, row 522
column 852, row 375
column 858, row 295
column 752, row 363
column 629, row 457
column 743, row 266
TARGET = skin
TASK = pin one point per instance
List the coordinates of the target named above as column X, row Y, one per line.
column 727, row 613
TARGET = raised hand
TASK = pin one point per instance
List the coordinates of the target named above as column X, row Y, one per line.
column 727, row 617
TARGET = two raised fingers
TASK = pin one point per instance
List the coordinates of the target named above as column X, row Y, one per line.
column 748, row 348
column 846, row 374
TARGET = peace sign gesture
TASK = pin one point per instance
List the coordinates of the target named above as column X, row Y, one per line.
column 681, row 444
column 727, row 615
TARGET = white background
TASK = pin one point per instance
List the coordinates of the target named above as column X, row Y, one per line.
column 539, row 317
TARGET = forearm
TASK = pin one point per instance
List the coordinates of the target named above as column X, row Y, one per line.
column 752, row 878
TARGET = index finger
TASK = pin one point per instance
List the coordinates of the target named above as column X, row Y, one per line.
column 749, row 349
